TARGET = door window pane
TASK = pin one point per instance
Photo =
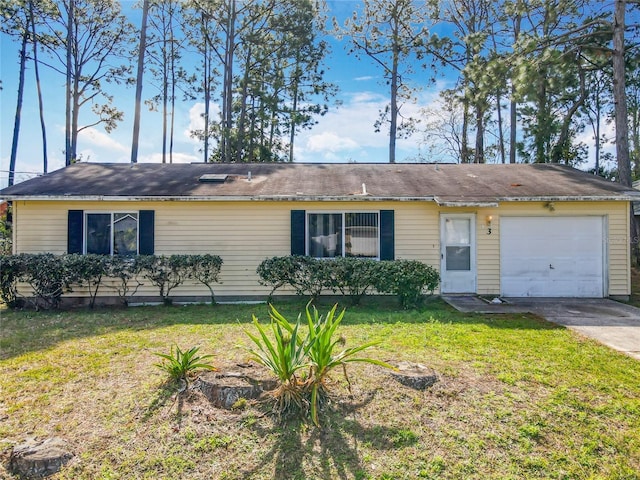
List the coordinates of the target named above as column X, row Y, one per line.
column 458, row 258
column 457, row 231
column 99, row 233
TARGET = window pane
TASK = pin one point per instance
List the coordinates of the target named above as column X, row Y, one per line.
column 125, row 233
column 324, row 238
column 459, row 258
column 457, row 231
column 361, row 235
column 99, row 233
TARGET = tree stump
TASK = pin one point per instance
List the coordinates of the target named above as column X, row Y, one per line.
column 414, row 375
column 37, row 459
column 224, row 389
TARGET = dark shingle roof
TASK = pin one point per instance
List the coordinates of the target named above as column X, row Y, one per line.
column 444, row 183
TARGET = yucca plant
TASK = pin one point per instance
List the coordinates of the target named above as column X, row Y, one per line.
column 284, row 357
column 182, row 365
column 322, row 353
column 324, row 357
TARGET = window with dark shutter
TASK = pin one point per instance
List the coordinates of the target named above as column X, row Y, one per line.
column 146, row 230
column 387, row 235
column 108, row 233
column 343, row 234
column 75, row 235
column 298, row 220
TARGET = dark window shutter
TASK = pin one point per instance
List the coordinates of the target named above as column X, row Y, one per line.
column 146, row 229
column 298, row 219
column 387, row 235
column 75, row 224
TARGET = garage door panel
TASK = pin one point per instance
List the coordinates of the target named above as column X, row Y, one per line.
column 552, row 257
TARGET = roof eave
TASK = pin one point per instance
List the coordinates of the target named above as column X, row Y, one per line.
column 492, row 202
column 212, row 198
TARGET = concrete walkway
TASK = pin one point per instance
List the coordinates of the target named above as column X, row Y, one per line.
column 612, row 323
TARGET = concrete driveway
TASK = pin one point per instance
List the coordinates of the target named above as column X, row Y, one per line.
column 612, row 323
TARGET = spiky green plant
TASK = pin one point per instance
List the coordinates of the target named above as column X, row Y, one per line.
column 284, row 356
column 325, row 357
column 322, row 354
column 182, row 365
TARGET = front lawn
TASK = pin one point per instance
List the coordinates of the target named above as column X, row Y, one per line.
column 517, row 398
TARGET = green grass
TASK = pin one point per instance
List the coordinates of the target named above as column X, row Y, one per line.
column 517, row 398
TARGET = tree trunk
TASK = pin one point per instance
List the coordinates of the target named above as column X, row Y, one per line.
column 67, row 134
column 513, row 107
column 563, row 137
column 393, row 128
column 294, row 107
column 503, row 156
column 75, row 114
column 227, row 87
column 141, row 51
column 542, row 118
column 36, row 71
column 207, row 92
column 620, row 96
column 173, row 85
column 173, row 111
column 478, row 155
column 16, row 122
column 597, row 132
column 622, row 127
column 240, row 129
column 464, row 150
column 165, row 94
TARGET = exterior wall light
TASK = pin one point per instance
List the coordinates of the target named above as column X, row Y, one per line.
column 488, row 220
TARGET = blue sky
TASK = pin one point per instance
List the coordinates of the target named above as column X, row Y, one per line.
column 344, row 134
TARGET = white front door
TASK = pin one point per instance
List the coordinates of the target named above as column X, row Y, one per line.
column 458, row 253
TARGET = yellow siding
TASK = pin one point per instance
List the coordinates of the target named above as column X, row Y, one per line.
column 245, row 233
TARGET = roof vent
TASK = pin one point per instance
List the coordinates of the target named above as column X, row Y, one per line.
column 213, row 178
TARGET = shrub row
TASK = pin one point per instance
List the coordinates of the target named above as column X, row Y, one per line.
column 352, row 277
column 50, row 276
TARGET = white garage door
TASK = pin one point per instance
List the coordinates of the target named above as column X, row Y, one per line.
column 552, row 257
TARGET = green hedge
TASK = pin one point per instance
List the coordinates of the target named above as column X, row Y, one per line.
column 50, row 276
column 352, row 277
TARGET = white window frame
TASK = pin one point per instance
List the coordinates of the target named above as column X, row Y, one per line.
column 112, row 214
column 342, row 233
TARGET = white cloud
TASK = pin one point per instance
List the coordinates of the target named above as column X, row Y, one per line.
column 365, row 78
column 96, row 138
column 177, row 158
column 330, row 142
column 196, row 119
column 347, row 133
column 608, row 129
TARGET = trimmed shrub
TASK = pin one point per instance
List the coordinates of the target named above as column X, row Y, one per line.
column 50, row 276
column 125, row 271
column 205, row 269
column 169, row 272
column 11, row 269
column 277, row 272
column 353, row 277
column 86, row 270
column 307, row 276
column 407, row 279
